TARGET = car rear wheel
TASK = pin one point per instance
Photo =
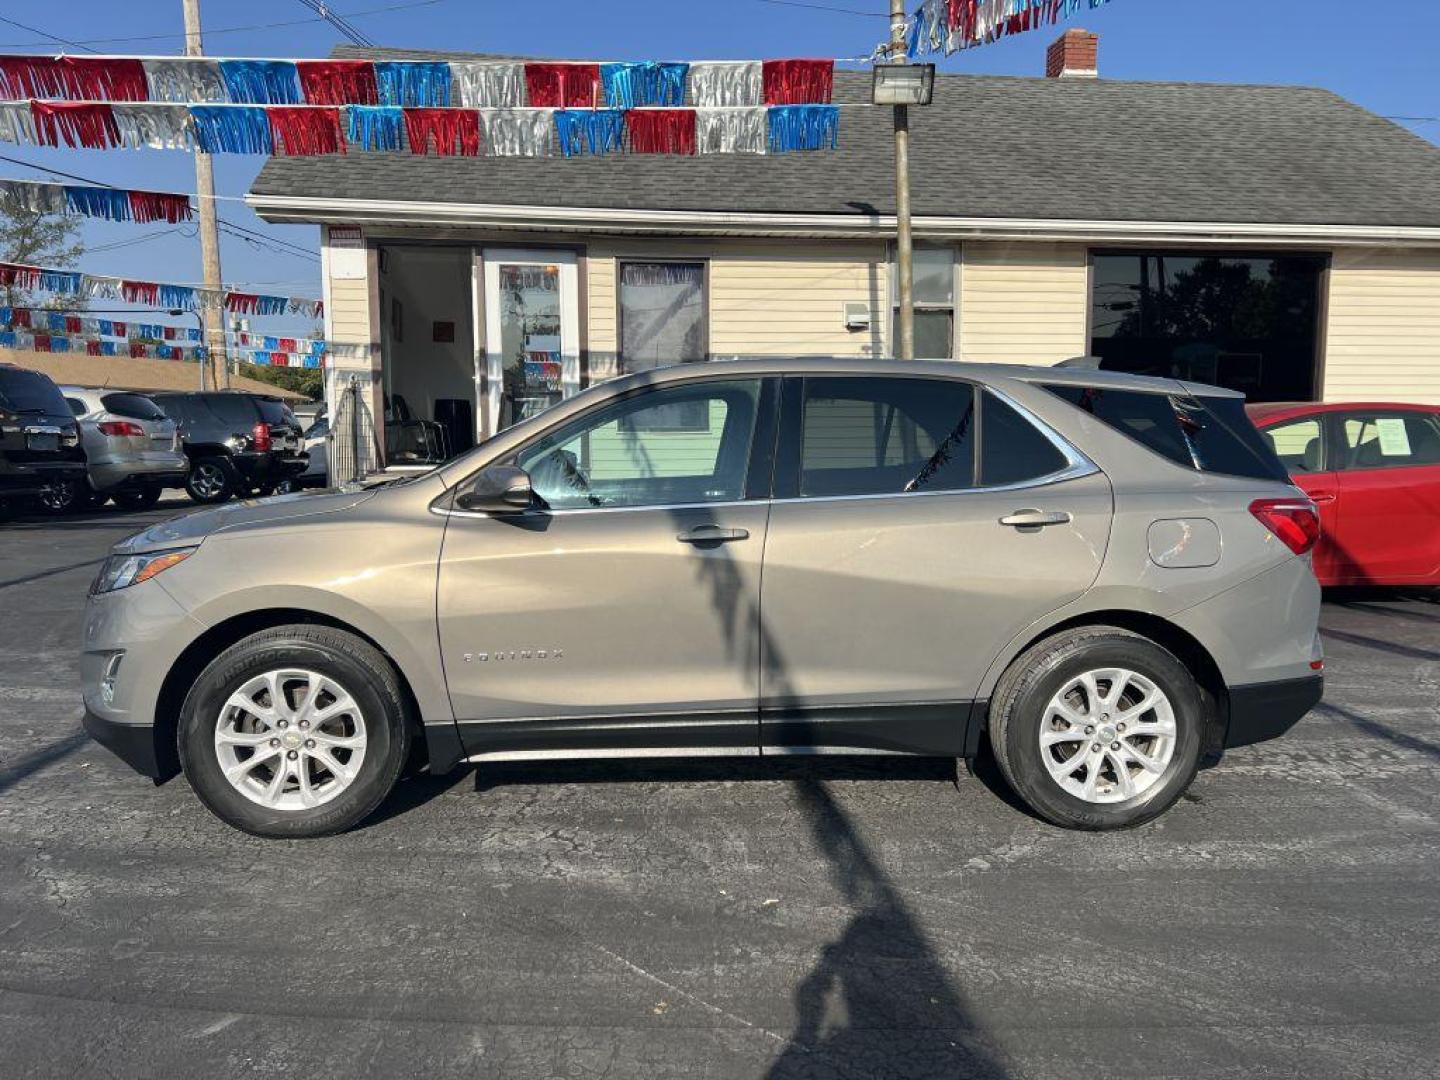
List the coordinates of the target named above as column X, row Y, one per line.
column 295, row 731
column 211, row 480
column 1097, row 728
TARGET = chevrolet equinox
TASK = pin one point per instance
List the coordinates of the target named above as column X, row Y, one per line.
column 1105, row 576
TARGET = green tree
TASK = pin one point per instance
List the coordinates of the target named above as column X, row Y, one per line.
column 41, row 240
column 307, row 381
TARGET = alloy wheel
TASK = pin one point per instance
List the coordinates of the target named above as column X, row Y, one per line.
column 290, row 739
column 208, row 479
column 1108, row 735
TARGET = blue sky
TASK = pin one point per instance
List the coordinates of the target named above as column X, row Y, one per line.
column 1385, row 63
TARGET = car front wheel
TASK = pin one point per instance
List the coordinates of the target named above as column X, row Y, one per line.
column 63, row 496
column 1097, row 728
column 295, row 731
column 211, row 480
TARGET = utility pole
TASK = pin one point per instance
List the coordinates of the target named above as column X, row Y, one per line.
column 904, row 246
column 212, row 304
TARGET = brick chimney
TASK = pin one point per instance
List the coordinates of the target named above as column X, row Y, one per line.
column 1073, row 55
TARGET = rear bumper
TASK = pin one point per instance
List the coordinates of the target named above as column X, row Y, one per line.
column 136, row 475
column 133, row 744
column 30, row 478
column 261, row 468
column 1268, row 710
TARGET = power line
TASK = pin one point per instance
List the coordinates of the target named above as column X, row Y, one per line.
column 132, row 242
column 337, row 20
column 46, row 34
column 208, row 33
column 827, row 7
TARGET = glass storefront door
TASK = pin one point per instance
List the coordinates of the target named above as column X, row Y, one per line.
column 532, row 333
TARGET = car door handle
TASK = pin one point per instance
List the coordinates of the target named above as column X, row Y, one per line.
column 1323, row 497
column 712, row 534
column 1035, row 519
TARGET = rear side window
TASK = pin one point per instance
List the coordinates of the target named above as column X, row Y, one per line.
column 78, row 407
column 25, row 391
column 1207, row 434
column 1012, row 449
column 879, row 436
column 132, row 406
column 184, row 407
column 232, row 408
column 276, row 412
column 1375, row 441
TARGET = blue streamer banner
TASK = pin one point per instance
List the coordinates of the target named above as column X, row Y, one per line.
column 803, row 127
column 59, row 281
column 376, row 127
column 112, row 204
column 177, row 296
column 232, row 129
column 413, row 84
column 629, row 86
column 272, row 305
column 262, row 82
column 590, row 131
column 7, row 338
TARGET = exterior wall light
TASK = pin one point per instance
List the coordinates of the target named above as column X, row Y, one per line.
column 903, row 84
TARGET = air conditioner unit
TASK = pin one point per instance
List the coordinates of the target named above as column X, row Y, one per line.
column 857, row 316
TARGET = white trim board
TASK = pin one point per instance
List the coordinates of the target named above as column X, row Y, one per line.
column 400, row 213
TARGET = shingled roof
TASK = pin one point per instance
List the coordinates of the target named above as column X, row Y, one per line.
column 989, row 147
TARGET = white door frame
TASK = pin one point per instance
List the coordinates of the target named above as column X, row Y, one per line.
column 568, row 263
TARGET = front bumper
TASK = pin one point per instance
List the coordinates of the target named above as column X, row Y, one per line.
column 1268, row 710
column 133, row 744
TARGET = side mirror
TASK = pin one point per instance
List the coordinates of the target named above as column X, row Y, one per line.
column 500, row 489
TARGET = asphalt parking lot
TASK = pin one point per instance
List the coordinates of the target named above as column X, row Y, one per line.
column 843, row 918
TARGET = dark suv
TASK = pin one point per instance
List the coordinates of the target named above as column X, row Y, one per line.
column 40, row 453
column 238, row 444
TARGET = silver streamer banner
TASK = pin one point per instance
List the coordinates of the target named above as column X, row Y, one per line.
column 309, row 308
column 517, row 133
column 731, row 131
column 185, row 80
column 17, row 123
column 101, row 288
column 33, row 197
column 717, row 84
column 489, row 86
column 160, row 127
column 932, row 28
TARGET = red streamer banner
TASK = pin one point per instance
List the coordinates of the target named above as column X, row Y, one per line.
column 92, row 348
column 169, row 333
column 30, row 77
column 119, row 329
column 302, row 131
column 661, row 131
column 140, row 292
column 564, row 86
column 148, row 206
column 72, row 324
column 137, row 349
column 338, row 82
column 242, row 303
column 42, row 342
column 68, row 123
column 453, row 131
column 118, row 79
column 287, row 344
column 798, row 82
column 20, row 277
column 20, row 317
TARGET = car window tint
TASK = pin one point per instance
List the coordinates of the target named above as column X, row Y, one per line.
column 276, row 412
column 1379, row 441
column 628, row 453
column 1298, row 444
column 185, row 408
column 78, row 407
column 133, row 406
column 884, row 436
column 233, row 409
column 318, row 430
column 25, row 391
column 1012, row 449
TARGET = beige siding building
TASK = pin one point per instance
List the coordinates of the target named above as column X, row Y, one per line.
column 1277, row 240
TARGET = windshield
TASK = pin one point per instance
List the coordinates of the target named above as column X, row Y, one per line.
column 24, row 391
column 232, row 408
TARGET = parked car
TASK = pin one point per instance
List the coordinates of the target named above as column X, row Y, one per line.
column 40, row 452
column 316, row 440
column 132, row 449
column 1373, row 469
column 236, row 443
column 1102, row 574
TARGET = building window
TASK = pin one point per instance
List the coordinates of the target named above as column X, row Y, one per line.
column 934, row 289
column 662, row 322
column 1246, row 322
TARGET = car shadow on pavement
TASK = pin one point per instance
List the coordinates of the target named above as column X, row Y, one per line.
column 1379, row 730
column 1410, row 652
column 17, row 769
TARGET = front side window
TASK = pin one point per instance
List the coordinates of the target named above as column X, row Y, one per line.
column 933, row 286
column 1299, row 445
column 1376, row 441
column 625, row 454
column 880, row 436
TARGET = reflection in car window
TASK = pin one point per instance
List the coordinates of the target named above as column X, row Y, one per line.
column 879, row 436
column 627, row 454
column 1378, row 441
column 1298, row 445
column 1012, row 449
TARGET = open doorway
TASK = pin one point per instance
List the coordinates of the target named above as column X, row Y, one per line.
column 428, row 337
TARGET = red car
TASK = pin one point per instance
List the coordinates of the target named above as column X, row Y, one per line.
column 1374, row 472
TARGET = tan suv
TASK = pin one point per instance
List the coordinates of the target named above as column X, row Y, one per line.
column 1103, row 575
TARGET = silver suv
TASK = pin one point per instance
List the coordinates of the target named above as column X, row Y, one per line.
column 132, row 449
column 1103, row 576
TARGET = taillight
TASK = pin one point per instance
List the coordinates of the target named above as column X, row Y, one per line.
column 260, row 437
column 1294, row 521
column 119, row 427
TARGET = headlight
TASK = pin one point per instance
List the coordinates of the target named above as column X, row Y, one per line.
column 120, row 571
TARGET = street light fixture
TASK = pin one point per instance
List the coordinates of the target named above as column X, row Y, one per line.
column 903, row 84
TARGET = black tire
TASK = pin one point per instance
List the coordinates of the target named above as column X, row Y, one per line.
column 211, row 480
column 141, row 498
column 1018, row 708
column 357, row 666
column 63, row 497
